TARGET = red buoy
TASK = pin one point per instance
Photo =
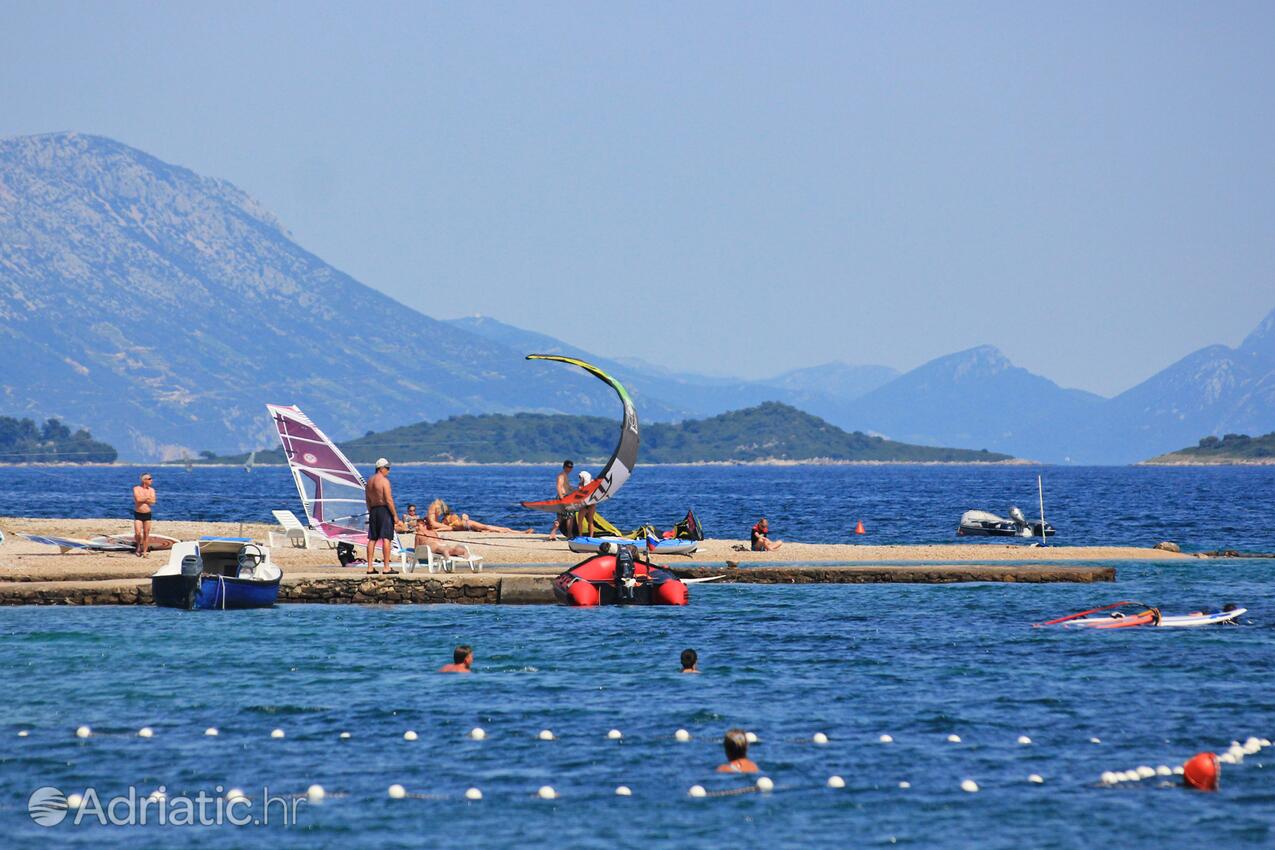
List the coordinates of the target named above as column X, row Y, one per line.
column 1202, row 772
column 858, row 529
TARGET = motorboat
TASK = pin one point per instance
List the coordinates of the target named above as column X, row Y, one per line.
column 217, row 573
column 984, row 524
column 615, row 576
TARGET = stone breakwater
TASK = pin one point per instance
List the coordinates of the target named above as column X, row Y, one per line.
column 472, row 589
column 534, row 588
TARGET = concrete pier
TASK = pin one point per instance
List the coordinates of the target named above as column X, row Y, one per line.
column 530, row 586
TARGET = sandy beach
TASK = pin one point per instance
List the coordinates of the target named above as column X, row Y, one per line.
column 22, row 560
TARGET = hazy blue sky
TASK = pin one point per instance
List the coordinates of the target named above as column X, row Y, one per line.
column 736, row 188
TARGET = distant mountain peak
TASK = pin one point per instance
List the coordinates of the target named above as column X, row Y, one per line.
column 1261, row 342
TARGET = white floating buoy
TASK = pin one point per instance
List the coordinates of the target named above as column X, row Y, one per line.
column 473, row 794
column 1179, row 770
column 1024, row 740
column 1227, row 758
column 545, row 735
column 146, row 732
column 397, row 792
column 315, row 793
column 697, row 791
column 1109, row 777
column 836, row 782
column 886, row 739
column 765, row 784
column 615, row 735
column 819, row 738
column 1265, row 742
column 1252, row 746
column 905, row 785
column 1131, row 776
column 344, row 736
column 1095, row 740
column 74, row 801
column 410, row 735
column 953, row 739
column 969, row 786
column 1036, row 779
column 477, row 733
column 682, row 735
column 211, row 732
column 1163, row 770
column 751, row 737
column 83, row 732
column 235, row 794
column 623, row 791
column 1145, row 771
column 277, row 733
column 546, row 792
column 158, row 795
column 22, row 733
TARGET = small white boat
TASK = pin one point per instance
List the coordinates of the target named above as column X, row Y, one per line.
column 217, row 573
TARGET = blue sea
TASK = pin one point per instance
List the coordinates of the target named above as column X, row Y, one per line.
column 915, row 662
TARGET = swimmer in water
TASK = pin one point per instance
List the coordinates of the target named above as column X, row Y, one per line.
column 689, row 659
column 737, row 761
column 462, row 661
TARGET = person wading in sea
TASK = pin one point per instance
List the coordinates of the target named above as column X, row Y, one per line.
column 737, row 760
column 462, row 661
column 143, row 513
column 381, row 517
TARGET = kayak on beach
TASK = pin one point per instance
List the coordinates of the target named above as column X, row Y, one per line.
column 671, row 546
column 100, row 543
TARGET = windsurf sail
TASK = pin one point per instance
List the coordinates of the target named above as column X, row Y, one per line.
column 331, row 489
column 623, row 459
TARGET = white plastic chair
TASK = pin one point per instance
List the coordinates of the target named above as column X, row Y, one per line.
column 475, row 561
column 293, row 531
column 408, row 556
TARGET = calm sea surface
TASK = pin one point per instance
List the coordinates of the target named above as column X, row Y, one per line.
column 915, row 662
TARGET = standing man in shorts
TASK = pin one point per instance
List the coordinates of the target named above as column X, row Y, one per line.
column 381, row 517
column 566, row 521
column 143, row 513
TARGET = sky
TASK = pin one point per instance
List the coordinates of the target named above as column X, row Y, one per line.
column 729, row 188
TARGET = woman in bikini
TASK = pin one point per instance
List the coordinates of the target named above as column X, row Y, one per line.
column 440, row 517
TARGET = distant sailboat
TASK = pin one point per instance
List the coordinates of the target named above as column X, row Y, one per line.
column 252, row 461
column 189, row 465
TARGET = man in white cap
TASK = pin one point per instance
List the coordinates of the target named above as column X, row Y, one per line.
column 584, row 517
column 381, row 517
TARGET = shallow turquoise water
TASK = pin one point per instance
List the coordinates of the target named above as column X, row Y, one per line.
column 916, row 662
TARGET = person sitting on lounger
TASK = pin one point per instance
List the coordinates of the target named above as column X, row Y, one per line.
column 762, row 543
column 428, row 537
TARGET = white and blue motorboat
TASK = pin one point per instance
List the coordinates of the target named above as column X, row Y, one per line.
column 217, row 573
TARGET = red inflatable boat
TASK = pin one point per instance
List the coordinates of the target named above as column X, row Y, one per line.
column 619, row 579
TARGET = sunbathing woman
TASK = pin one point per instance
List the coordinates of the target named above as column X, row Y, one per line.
column 442, row 518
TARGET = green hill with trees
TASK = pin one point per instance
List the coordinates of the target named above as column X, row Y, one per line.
column 22, row 441
column 1232, row 448
column 769, row 431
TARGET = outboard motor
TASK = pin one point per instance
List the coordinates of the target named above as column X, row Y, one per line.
column 624, row 572
column 1017, row 516
column 192, row 566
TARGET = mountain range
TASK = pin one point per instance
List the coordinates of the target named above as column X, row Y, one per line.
column 162, row 309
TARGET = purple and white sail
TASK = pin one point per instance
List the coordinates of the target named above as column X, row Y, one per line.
column 331, row 489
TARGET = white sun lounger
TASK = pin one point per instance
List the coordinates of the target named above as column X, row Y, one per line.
column 293, row 531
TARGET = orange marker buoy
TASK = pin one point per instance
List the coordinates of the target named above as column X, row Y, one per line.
column 858, row 529
column 1202, row 772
